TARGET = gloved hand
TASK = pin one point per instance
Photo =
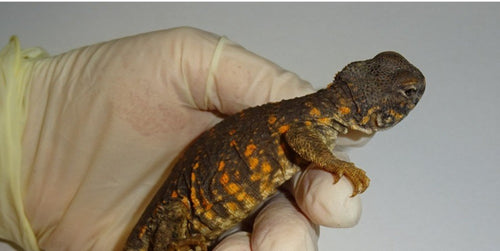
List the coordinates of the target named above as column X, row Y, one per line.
column 106, row 121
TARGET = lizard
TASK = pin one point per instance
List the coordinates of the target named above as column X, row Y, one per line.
column 230, row 169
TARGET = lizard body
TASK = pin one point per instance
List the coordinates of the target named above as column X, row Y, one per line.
column 232, row 168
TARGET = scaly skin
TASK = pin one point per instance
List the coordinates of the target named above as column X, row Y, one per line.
column 232, row 168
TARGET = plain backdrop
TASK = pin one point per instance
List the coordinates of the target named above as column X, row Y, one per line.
column 435, row 176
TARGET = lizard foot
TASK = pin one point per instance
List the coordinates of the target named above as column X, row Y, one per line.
column 194, row 244
column 357, row 176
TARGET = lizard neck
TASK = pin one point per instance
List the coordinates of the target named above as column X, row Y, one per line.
column 336, row 102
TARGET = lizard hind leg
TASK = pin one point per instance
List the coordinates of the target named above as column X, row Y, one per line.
column 172, row 233
column 191, row 244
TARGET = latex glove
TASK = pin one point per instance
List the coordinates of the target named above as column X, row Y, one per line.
column 105, row 121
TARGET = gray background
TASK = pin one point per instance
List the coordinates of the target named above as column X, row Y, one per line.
column 435, row 177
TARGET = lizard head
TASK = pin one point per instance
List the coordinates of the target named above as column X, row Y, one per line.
column 377, row 93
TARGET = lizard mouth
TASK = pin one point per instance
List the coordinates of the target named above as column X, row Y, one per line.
column 373, row 123
column 365, row 128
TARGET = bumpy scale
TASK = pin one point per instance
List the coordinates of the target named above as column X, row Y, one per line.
column 232, row 168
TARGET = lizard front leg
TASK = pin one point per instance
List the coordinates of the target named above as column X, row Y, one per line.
column 312, row 146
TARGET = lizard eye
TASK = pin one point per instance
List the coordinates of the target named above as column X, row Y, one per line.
column 409, row 92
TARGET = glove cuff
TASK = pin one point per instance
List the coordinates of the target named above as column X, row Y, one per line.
column 15, row 68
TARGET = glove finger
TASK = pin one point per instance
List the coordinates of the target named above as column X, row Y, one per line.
column 237, row 241
column 281, row 226
column 239, row 78
column 325, row 203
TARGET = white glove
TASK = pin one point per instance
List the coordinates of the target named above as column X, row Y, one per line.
column 105, row 121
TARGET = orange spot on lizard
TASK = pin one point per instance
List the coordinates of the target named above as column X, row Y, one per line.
column 209, row 214
column 280, row 149
column 272, row 119
column 194, row 199
column 324, row 120
column 284, row 128
column 242, row 196
column 255, row 176
column 174, row 194
column 222, row 164
column 249, row 150
column 224, row 179
column 205, row 202
column 266, row 167
column 143, row 231
column 314, row 112
column 232, row 188
column 196, row 165
column 253, row 162
column 344, row 110
column 231, row 206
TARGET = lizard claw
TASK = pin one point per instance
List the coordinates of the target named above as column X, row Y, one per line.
column 336, row 177
column 359, row 180
column 357, row 176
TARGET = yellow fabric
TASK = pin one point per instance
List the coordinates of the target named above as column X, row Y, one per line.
column 14, row 73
